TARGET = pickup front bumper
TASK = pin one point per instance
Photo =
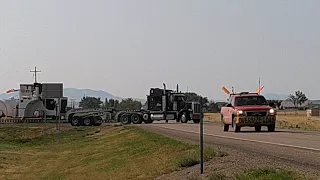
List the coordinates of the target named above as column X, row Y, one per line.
column 255, row 120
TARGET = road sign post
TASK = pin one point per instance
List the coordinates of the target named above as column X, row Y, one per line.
column 201, row 136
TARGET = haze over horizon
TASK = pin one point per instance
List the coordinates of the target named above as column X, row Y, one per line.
column 126, row 47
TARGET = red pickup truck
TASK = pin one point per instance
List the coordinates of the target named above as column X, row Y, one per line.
column 248, row 109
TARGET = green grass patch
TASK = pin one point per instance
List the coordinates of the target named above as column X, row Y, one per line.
column 96, row 152
column 269, row 174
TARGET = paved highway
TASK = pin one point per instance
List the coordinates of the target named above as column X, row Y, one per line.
column 299, row 150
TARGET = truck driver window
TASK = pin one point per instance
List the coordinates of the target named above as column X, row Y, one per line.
column 250, row 101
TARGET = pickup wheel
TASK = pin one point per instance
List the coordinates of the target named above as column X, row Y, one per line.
column 257, row 128
column 235, row 126
column 271, row 128
column 225, row 127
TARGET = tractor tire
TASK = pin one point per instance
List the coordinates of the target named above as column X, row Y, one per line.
column 184, row 118
column 136, row 119
column 196, row 121
column 125, row 119
column 87, row 122
column 75, row 121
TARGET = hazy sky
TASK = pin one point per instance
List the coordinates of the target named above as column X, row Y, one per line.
column 127, row 46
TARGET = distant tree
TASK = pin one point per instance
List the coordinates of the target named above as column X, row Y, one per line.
column 90, row 102
column 129, row 104
column 298, row 98
column 213, row 107
column 191, row 96
column 275, row 103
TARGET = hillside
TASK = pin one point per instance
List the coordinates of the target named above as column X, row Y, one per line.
column 77, row 94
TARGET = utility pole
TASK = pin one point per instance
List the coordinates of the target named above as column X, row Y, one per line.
column 35, row 74
column 201, row 137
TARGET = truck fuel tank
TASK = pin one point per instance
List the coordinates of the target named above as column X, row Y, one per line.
column 161, row 117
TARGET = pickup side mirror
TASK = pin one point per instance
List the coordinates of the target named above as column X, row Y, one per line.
column 229, row 105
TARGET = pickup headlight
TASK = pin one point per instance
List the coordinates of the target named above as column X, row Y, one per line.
column 239, row 112
column 271, row 111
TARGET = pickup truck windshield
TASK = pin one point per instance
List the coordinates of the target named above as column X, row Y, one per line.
column 250, row 101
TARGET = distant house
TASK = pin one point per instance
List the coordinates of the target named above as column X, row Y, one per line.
column 286, row 104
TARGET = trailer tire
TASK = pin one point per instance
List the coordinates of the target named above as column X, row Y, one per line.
column 97, row 121
column 75, row 121
column 125, row 119
column 87, row 121
column 136, row 119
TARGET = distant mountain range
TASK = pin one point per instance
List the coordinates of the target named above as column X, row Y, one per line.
column 77, row 94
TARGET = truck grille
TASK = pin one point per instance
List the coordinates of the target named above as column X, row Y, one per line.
column 256, row 113
column 196, row 108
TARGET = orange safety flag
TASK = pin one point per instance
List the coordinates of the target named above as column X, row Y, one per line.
column 11, row 90
column 225, row 90
column 260, row 89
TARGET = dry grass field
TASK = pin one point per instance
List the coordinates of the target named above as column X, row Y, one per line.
column 285, row 119
column 92, row 153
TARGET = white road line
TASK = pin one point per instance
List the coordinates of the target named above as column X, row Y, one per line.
column 242, row 139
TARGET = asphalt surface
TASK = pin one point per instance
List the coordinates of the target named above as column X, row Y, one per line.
column 298, row 150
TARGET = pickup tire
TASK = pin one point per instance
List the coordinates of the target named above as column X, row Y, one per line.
column 235, row 126
column 257, row 128
column 271, row 128
column 225, row 126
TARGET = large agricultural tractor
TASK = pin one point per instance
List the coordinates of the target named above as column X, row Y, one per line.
column 162, row 104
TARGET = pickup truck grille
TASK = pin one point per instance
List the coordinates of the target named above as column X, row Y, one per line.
column 256, row 113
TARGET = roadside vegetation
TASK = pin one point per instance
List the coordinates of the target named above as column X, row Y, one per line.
column 252, row 174
column 92, row 152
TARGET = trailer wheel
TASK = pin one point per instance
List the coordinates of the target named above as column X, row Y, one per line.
column 97, row 121
column 75, row 121
column 136, row 119
column 87, row 122
column 184, row 118
column 125, row 119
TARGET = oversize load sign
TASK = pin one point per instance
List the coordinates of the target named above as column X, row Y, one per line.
column 257, row 120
